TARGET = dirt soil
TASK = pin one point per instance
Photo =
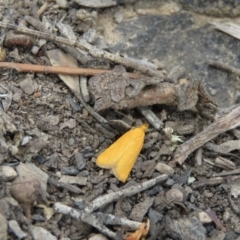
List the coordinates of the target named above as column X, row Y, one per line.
column 49, row 141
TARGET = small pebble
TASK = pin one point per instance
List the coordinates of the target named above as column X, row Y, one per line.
column 97, row 237
column 88, row 152
column 7, row 173
column 58, row 174
column 164, row 169
column 84, row 113
column 41, row 159
column 79, row 203
column 126, row 206
column 191, row 180
column 80, row 161
column 27, row 86
column 38, row 218
column 39, row 233
column 139, row 210
column 226, row 216
column 62, row 3
column 71, row 142
column 150, row 169
column 13, row 225
column 155, row 190
column 207, row 194
column 138, row 174
column 82, row 181
column 51, row 120
column 84, row 173
column 174, row 195
column 204, row 218
column 169, row 183
column 25, row 140
column 72, row 171
column 118, row 17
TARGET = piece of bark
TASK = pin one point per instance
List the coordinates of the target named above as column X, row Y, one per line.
column 116, row 90
column 230, row 28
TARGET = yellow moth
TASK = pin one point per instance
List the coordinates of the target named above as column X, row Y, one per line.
column 122, row 154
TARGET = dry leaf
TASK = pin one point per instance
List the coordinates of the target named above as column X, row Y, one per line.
column 141, row 233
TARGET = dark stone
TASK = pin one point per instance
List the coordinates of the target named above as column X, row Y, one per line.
column 80, row 161
column 72, row 171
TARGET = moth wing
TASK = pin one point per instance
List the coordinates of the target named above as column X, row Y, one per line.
column 109, row 157
column 126, row 161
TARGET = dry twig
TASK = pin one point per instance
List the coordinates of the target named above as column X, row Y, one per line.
column 228, row 121
column 82, row 44
column 105, row 199
column 97, row 219
column 225, row 67
column 20, row 67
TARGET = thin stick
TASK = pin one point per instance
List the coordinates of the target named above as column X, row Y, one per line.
column 82, row 44
column 225, row 67
column 78, row 95
column 20, row 67
column 222, row 124
column 105, row 199
column 151, row 117
column 85, row 217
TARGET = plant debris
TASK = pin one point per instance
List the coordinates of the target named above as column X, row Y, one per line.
column 77, row 75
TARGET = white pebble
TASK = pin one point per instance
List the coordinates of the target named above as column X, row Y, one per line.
column 204, row 218
column 7, row 173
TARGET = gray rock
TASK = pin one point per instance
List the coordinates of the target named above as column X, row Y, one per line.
column 40, row 233
column 72, row 171
column 193, row 228
column 74, row 180
column 13, row 225
column 174, row 195
column 155, row 218
column 71, row 142
column 3, row 227
column 17, row 95
column 27, row 86
column 169, row 183
column 157, row 32
column 150, row 169
column 140, row 209
column 51, row 120
column 80, row 161
column 38, row 218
